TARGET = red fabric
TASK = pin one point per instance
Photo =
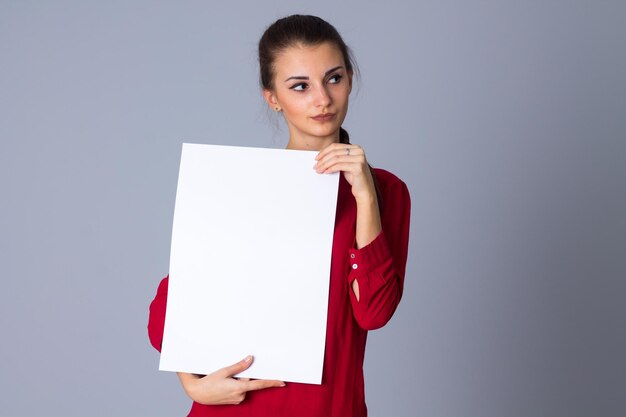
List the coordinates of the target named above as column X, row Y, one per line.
column 379, row 269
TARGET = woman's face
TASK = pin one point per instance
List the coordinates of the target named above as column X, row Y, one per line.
column 311, row 87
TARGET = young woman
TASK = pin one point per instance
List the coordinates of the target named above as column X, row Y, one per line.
column 306, row 74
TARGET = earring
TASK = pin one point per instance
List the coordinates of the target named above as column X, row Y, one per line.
column 277, row 108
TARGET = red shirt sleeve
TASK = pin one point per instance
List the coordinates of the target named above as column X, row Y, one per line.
column 156, row 321
column 379, row 267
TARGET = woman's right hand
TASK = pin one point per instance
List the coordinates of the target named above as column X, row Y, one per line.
column 221, row 387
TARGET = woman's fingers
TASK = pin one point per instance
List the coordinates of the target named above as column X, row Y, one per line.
column 257, row 384
column 349, row 159
column 236, row 368
column 221, row 387
column 330, row 159
column 346, row 166
column 247, row 384
column 338, row 149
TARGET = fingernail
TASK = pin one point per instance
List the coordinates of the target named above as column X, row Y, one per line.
column 248, row 358
column 282, row 385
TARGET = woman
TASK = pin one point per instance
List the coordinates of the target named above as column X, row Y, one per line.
column 306, row 74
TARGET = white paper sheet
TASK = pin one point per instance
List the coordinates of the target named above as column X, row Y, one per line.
column 250, row 263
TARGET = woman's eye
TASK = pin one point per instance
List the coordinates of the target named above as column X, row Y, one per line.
column 334, row 79
column 299, row 87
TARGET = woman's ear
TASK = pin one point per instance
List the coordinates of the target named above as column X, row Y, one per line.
column 271, row 100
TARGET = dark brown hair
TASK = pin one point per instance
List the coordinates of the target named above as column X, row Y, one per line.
column 299, row 29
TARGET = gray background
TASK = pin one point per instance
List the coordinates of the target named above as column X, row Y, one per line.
column 507, row 120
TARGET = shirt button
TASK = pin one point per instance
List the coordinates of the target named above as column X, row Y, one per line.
column 352, row 255
column 354, row 266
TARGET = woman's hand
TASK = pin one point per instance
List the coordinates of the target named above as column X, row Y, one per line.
column 350, row 159
column 221, row 387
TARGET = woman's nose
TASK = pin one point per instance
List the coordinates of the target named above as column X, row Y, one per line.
column 322, row 98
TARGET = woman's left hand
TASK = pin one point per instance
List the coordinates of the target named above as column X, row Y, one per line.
column 350, row 159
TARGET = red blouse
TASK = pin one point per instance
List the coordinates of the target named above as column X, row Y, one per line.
column 379, row 268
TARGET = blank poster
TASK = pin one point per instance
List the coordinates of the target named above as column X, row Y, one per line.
column 250, row 263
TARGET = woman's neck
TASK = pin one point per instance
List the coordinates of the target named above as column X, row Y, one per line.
column 311, row 143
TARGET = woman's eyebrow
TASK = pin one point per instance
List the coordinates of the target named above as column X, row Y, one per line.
column 304, row 77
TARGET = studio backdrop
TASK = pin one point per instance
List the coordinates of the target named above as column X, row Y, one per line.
column 506, row 119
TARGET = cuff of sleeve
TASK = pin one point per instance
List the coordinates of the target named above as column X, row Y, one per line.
column 368, row 257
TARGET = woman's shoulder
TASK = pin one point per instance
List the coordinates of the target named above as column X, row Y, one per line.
column 387, row 179
column 392, row 190
column 394, row 198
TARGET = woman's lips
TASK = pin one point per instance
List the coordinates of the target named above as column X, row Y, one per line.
column 324, row 117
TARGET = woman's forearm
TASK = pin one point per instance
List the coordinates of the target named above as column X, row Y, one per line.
column 368, row 224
